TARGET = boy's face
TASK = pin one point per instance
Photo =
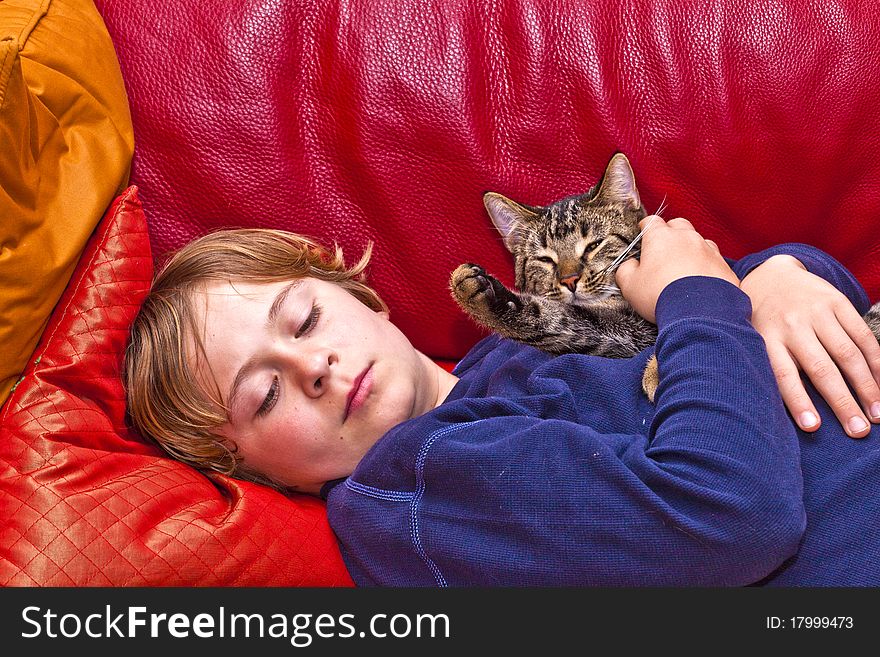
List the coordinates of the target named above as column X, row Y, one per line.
column 312, row 377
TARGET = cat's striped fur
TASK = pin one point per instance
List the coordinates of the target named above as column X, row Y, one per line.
column 565, row 256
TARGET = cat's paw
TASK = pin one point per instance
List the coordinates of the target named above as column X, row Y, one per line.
column 651, row 378
column 479, row 292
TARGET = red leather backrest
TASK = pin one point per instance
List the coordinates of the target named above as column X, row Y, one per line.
column 386, row 121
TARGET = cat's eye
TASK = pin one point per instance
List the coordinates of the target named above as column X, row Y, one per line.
column 547, row 259
column 592, row 246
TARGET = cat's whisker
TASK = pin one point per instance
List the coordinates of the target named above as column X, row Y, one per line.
column 662, row 207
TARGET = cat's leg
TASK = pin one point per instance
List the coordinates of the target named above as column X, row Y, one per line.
column 483, row 297
column 522, row 317
column 651, row 378
column 554, row 327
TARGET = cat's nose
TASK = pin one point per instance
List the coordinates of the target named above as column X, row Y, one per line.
column 570, row 281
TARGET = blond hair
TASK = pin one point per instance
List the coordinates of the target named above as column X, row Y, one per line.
column 167, row 405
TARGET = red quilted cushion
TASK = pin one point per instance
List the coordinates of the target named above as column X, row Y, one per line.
column 85, row 501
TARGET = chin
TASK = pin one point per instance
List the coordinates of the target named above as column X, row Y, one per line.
column 397, row 406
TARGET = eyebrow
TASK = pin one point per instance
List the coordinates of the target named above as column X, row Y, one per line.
column 253, row 361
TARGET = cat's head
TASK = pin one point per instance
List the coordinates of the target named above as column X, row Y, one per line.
column 563, row 250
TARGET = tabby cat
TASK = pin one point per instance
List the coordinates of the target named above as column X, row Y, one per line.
column 565, row 257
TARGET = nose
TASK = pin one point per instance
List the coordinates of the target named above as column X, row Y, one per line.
column 311, row 369
column 570, row 281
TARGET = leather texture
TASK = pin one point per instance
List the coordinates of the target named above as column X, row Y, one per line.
column 85, row 502
column 66, row 143
column 386, row 121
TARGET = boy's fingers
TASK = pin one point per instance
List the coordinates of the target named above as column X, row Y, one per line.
column 625, row 271
column 861, row 334
column 828, row 380
column 854, row 366
column 791, row 387
column 680, row 223
column 653, row 219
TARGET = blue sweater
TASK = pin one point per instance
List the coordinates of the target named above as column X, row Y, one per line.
column 557, row 471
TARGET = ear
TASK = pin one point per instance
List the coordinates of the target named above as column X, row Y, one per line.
column 619, row 184
column 509, row 217
column 384, row 314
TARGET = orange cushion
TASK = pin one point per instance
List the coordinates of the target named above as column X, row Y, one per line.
column 67, row 143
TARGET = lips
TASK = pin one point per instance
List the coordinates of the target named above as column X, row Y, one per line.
column 359, row 391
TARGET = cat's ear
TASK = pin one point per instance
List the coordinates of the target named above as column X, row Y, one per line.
column 509, row 217
column 619, row 184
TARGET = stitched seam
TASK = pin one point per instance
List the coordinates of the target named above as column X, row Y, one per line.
column 6, row 69
column 417, row 498
column 31, row 25
column 378, row 493
column 711, row 321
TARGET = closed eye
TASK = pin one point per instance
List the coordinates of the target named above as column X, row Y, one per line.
column 270, row 399
column 272, row 395
column 548, row 260
column 311, row 321
column 592, row 246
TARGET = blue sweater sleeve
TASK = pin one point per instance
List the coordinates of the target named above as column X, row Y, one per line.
column 817, row 262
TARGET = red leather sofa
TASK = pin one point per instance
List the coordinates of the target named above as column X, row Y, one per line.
column 385, row 121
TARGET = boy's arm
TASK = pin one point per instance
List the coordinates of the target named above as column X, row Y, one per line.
column 536, row 489
column 808, row 308
column 816, row 262
column 710, row 493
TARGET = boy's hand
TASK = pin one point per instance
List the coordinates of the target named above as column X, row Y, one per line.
column 807, row 324
column 670, row 250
